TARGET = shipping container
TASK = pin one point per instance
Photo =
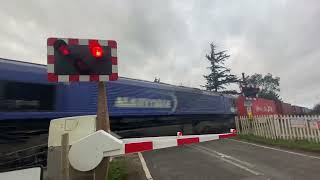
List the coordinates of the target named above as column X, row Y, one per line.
column 297, row 110
column 263, row 107
column 306, row 110
column 284, row 108
column 258, row 106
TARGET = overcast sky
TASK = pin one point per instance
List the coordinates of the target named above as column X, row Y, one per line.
column 169, row 39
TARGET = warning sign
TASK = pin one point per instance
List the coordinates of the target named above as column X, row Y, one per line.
column 298, row 123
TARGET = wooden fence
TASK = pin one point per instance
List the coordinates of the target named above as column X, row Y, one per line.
column 281, row 127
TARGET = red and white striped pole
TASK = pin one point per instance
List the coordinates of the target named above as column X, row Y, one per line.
column 87, row 153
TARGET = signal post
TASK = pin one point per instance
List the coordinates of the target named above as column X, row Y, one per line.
column 87, row 60
column 82, row 60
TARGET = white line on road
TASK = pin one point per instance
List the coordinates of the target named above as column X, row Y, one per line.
column 226, row 158
column 229, row 157
column 145, row 167
column 281, row 150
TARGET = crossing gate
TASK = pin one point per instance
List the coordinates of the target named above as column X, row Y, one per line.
column 89, row 147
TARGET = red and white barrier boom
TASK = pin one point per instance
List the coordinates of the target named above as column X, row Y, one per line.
column 87, row 152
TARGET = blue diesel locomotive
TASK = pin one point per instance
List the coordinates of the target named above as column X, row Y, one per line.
column 137, row 108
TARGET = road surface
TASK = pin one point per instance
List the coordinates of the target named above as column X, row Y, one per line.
column 231, row 159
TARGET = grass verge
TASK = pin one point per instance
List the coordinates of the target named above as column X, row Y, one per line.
column 126, row 168
column 291, row 144
column 117, row 169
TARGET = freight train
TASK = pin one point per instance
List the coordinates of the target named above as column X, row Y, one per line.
column 137, row 108
column 260, row 106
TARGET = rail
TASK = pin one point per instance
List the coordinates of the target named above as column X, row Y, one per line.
column 32, row 156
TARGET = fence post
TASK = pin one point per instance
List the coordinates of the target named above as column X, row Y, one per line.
column 281, row 127
column 266, row 126
column 289, row 128
column 304, row 129
column 259, row 126
column 317, row 130
column 308, row 129
column 262, row 127
column 248, row 125
column 265, row 129
column 312, row 130
column 293, row 130
column 273, row 127
column 240, row 124
column 236, row 120
column 277, row 127
column 301, row 136
column 244, row 122
column 269, row 127
column 265, row 120
column 254, row 125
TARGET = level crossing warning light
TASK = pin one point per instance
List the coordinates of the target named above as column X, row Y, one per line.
column 250, row 91
column 74, row 60
column 96, row 50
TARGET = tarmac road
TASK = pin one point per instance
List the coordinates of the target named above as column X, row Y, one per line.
column 231, row 159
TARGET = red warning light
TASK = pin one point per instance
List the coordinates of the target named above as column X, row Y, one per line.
column 64, row 50
column 62, row 47
column 96, row 49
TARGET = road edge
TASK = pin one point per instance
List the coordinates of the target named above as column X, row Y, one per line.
column 145, row 167
column 276, row 149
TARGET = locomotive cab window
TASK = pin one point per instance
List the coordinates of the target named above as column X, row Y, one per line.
column 19, row 96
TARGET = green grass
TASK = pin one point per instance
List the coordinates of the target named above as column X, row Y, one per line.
column 292, row 144
column 117, row 170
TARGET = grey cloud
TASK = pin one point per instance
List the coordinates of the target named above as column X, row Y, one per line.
column 169, row 39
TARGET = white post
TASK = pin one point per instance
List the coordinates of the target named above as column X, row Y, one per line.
column 236, row 120
column 261, row 127
column 318, row 130
column 276, row 125
column 282, row 127
column 308, row 130
column 289, row 128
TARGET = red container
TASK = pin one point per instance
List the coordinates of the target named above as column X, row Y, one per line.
column 279, row 107
column 263, row 107
column 284, row 108
column 258, row 106
column 297, row 110
column 240, row 106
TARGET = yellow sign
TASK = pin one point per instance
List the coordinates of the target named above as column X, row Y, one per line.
column 250, row 116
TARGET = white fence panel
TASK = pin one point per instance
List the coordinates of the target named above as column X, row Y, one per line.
column 281, row 127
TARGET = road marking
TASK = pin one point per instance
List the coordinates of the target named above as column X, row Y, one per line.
column 232, row 158
column 227, row 158
column 145, row 167
column 281, row 150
